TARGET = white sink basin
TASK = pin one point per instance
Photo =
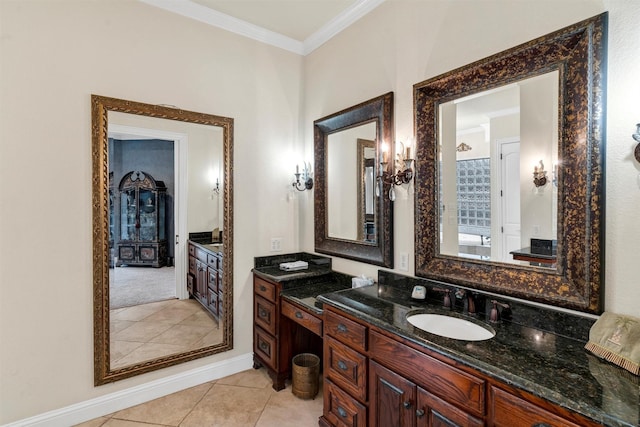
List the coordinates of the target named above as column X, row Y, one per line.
column 450, row 327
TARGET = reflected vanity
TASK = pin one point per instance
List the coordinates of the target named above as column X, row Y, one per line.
column 484, row 133
column 352, row 220
column 140, row 224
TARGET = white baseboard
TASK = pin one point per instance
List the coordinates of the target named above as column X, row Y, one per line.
column 104, row 405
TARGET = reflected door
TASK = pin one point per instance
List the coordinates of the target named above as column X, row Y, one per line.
column 510, row 177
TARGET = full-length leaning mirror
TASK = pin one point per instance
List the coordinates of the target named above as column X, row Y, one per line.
column 161, row 176
column 353, row 217
column 510, row 161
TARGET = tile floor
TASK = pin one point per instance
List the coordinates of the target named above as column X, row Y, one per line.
column 245, row 399
column 148, row 331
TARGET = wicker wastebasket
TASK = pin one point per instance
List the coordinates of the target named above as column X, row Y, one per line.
column 305, row 375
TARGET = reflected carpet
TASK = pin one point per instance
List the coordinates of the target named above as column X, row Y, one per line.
column 140, row 285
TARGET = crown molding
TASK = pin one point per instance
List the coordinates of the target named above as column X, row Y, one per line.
column 339, row 23
column 226, row 22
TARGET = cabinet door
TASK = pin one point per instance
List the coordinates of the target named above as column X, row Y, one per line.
column 201, row 281
column 434, row 412
column 392, row 398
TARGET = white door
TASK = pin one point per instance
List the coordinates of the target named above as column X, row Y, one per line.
column 510, row 198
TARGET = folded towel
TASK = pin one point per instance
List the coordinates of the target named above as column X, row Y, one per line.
column 616, row 338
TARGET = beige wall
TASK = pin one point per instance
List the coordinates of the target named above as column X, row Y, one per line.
column 401, row 43
column 55, row 54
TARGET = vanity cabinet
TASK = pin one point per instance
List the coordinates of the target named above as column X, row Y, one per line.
column 142, row 238
column 375, row 378
column 281, row 330
column 345, row 371
column 269, row 350
column 204, row 279
column 397, row 401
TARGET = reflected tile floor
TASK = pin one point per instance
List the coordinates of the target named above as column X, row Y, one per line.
column 148, row 331
column 243, row 399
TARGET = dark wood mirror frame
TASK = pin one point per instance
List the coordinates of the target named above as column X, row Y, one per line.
column 380, row 110
column 578, row 52
column 100, row 106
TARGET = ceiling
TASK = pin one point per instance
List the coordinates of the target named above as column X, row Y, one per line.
column 299, row 26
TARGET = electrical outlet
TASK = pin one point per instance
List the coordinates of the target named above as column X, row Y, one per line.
column 276, row 244
column 404, row 261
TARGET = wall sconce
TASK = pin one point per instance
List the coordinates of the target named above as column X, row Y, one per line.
column 636, row 136
column 303, row 180
column 539, row 175
column 462, row 147
column 404, row 175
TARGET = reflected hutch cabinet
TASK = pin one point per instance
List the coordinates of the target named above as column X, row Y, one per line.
column 143, row 239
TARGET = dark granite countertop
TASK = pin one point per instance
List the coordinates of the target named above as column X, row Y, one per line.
column 552, row 365
column 211, row 247
column 274, row 274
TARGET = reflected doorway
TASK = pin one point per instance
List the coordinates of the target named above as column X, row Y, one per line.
column 509, row 198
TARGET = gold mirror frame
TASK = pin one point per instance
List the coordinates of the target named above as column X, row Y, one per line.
column 578, row 52
column 100, row 106
column 380, row 110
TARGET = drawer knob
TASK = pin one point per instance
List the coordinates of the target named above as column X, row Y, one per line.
column 342, row 365
column 262, row 313
column 298, row 315
column 406, row 404
column 263, row 345
column 420, row 413
column 262, row 288
column 342, row 412
column 342, row 328
column 540, row 425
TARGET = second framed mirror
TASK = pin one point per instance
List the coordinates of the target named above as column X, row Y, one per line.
column 351, row 219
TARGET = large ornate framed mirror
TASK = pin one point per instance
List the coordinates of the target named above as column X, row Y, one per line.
column 510, row 171
column 160, row 174
column 353, row 218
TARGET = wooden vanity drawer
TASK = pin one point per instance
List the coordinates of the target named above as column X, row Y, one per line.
column 264, row 314
column 508, row 410
column 341, row 409
column 346, row 367
column 302, row 317
column 192, row 250
column 264, row 289
column 345, row 330
column 264, row 345
column 192, row 266
column 212, row 261
column 213, row 280
column 448, row 382
column 190, row 283
column 201, row 255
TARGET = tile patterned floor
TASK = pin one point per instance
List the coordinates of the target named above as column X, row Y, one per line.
column 245, row 399
column 148, row 331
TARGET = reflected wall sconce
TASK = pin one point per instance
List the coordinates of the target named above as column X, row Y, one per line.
column 539, row 175
column 303, row 181
column 404, row 175
column 636, row 136
column 462, row 147
column 216, row 189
